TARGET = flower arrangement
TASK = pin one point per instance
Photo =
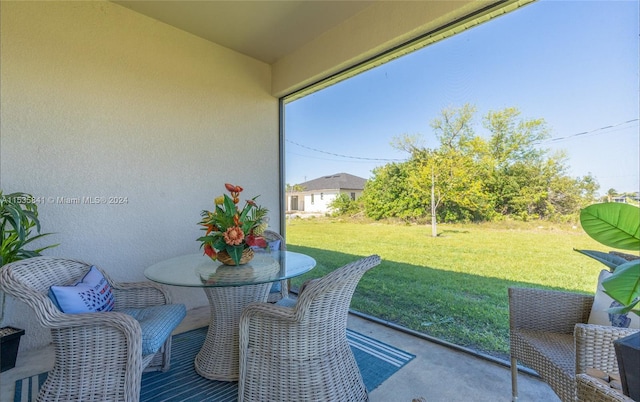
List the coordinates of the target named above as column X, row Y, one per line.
column 230, row 229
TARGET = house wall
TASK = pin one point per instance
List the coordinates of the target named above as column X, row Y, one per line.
column 320, row 203
column 99, row 101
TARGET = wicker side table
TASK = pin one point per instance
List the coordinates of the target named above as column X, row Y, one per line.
column 597, row 386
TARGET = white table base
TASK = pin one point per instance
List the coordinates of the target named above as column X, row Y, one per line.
column 218, row 358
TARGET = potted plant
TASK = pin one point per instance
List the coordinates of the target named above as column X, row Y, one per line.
column 19, row 226
column 231, row 231
column 617, row 225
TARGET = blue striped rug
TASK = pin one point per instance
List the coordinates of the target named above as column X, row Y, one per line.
column 377, row 362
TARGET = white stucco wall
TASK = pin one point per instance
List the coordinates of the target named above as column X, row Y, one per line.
column 99, row 101
column 320, row 203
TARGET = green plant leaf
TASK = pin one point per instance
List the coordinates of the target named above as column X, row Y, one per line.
column 613, row 224
column 624, row 284
column 235, row 252
column 610, row 260
column 633, row 307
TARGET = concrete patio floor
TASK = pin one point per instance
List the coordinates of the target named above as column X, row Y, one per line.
column 438, row 373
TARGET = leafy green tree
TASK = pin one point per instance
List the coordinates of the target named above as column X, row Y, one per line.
column 387, row 193
column 344, row 205
column 472, row 177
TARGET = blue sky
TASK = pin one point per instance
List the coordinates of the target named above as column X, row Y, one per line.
column 573, row 63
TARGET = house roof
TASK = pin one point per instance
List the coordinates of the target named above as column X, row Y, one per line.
column 338, row 181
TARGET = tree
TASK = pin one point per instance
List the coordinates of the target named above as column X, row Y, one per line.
column 343, row 205
column 450, row 174
column 387, row 193
column 611, row 193
column 469, row 177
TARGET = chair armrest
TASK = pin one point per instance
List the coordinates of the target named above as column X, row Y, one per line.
column 139, row 295
column 265, row 321
column 590, row 389
column 594, row 347
column 547, row 310
column 121, row 321
column 267, row 311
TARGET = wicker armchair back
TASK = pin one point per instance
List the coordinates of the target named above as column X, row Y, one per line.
column 301, row 353
column 548, row 333
column 283, row 291
column 98, row 356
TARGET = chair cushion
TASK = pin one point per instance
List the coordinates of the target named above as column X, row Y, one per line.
column 276, row 287
column 602, row 302
column 157, row 323
column 557, row 349
column 91, row 294
column 286, row 302
column 274, row 245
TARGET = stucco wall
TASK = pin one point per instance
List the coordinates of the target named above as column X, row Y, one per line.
column 99, row 101
column 321, row 201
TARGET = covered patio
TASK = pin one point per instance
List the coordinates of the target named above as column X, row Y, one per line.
column 437, row 373
column 124, row 119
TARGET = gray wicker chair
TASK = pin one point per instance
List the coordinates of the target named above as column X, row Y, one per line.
column 591, row 389
column 548, row 333
column 300, row 353
column 98, row 356
column 281, row 291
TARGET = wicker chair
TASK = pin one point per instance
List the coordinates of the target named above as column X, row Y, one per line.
column 591, row 389
column 280, row 289
column 300, row 353
column 98, row 356
column 548, row 333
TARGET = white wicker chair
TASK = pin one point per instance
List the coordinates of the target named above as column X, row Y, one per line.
column 281, row 291
column 98, row 356
column 300, row 353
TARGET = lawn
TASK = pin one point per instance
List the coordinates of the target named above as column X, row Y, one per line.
column 454, row 286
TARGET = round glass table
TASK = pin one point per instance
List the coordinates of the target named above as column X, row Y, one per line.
column 229, row 290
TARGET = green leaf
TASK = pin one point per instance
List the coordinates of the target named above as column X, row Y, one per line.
column 613, row 224
column 235, row 252
column 610, row 260
column 633, row 307
column 229, row 206
column 624, row 284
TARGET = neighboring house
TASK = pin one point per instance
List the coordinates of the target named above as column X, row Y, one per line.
column 626, row 198
column 316, row 195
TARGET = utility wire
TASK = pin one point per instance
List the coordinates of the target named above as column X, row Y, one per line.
column 588, row 132
column 328, row 159
column 344, row 156
column 402, row 160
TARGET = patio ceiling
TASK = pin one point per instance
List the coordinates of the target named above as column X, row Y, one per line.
column 308, row 41
column 264, row 30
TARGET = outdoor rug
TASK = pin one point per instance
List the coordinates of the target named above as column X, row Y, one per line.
column 377, row 362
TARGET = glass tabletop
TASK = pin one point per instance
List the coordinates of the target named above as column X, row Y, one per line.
column 197, row 270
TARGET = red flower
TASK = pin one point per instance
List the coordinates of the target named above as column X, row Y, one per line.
column 256, row 241
column 208, row 250
column 233, row 189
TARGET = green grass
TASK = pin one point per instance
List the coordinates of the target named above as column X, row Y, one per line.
column 453, row 287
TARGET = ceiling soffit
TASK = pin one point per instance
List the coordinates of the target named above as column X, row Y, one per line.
column 264, row 30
